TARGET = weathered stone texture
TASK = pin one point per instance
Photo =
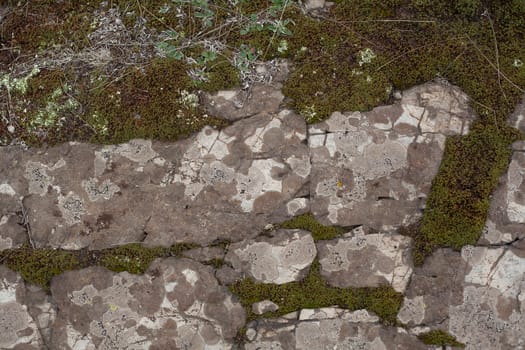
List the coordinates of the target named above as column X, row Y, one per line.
column 329, row 328
column 177, row 303
column 25, row 313
column 375, row 168
column 283, row 258
column 475, row 295
column 367, row 171
column 216, row 185
column 366, row 261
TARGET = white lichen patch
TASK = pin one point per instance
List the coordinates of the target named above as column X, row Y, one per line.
column 383, row 257
column 19, row 329
column 39, row 180
column 296, row 205
column 256, row 141
column 515, row 181
column 216, row 172
column 191, row 276
column 7, row 190
column 72, row 208
column 300, row 166
column 138, row 150
column 105, row 190
column 280, row 260
column 258, row 182
column 412, row 310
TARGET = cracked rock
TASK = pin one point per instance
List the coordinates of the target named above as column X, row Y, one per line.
column 25, row 313
column 177, row 303
column 329, row 328
column 375, row 168
column 366, row 261
column 283, row 258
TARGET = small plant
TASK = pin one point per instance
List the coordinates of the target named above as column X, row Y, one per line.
column 199, row 49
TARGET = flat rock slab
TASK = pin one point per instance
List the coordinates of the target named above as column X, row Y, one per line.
column 283, row 258
column 506, row 219
column 329, row 328
column 476, row 295
column 366, row 261
column 215, row 185
column 376, row 168
column 25, row 313
column 176, row 304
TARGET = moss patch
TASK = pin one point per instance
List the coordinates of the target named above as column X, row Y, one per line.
column 133, row 258
column 312, row 292
column 458, row 203
column 39, row 266
column 156, row 102
column 439, row 337
column 309, row 223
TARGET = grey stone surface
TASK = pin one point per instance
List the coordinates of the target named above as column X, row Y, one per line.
column 366, row 261
column 261, row 307
column 25, row 313
column 176, row 304
column 214, row 185
column 506, row 219
column 475, row 295
column 329, row 328
column 283, row 258
column 376, row 168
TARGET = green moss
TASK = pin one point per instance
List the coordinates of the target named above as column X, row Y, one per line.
column 459, row 200
column 133, row 258
column 156, row 103
column 38, row 266
column 309, row 223
column 312, row 292
column 221, row 76
column 440, row 337
column 179, row 248
column 49, row 23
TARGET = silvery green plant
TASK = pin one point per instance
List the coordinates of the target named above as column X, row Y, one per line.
column 177, row 44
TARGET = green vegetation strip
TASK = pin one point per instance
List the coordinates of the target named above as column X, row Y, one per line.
column 312, row 292
column 309, row 223
column 39, row 266
column 439, row 337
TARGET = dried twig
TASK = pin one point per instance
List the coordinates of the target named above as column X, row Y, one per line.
column 496, row 52
column 494, row 66
column 27, row 225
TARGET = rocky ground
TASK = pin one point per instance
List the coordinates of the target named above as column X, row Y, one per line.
column 269, row 233
column 369, row 172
